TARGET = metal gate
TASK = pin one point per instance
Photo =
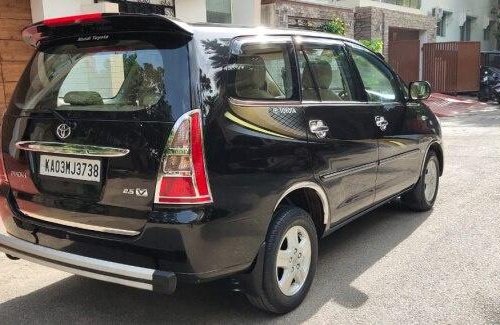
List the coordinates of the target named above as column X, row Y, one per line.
column 452, row 67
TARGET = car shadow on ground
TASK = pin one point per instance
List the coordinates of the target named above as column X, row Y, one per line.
column 343, row 257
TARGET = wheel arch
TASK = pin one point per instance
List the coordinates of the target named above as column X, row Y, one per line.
column 437, row 148
column 311, row 197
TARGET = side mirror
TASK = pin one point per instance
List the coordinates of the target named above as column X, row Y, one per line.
column 420, row 90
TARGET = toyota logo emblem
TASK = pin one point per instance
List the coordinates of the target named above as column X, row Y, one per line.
column 63, row 131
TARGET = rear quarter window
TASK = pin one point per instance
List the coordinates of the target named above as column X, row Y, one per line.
column 263, row 71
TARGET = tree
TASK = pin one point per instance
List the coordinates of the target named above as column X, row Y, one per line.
column 376, row 45
column 335, row 26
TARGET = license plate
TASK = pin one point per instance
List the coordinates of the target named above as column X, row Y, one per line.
column 71, row 168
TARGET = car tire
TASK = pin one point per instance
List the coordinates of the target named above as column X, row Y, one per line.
column 423, row 195
column 292, row 239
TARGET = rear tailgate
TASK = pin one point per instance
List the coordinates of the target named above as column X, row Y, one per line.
column 87, row 127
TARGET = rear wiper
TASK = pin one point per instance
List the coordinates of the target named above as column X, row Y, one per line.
column 61, row 118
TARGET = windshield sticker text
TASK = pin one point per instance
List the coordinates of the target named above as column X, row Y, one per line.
column 93, row 38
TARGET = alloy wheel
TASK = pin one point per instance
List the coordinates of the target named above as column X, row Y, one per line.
column 293, row 260
column 430, row 180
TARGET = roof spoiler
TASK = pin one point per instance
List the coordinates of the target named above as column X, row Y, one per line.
column 101, row 23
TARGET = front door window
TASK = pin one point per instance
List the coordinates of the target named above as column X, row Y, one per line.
column 379, row 83
column 325, row 74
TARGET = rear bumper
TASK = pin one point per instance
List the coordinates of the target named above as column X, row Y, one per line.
column 170, row 245
column 128, row 275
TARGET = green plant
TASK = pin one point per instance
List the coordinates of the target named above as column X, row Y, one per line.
column 335, row 26
column 376, row 45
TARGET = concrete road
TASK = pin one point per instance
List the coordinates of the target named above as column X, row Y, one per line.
column 390, row 267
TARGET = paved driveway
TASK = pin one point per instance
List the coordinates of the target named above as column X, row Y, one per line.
column 389, row 267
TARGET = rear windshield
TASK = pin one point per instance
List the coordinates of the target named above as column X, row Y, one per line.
column 128, row 75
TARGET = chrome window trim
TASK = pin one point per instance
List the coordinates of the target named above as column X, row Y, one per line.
column 319, row 190
column 384, row 103
column 71, row 149
column 238, row 42
column 350, row 103
column 334, row 103
column 114, row 231
column 256, row 102
column 320, row 41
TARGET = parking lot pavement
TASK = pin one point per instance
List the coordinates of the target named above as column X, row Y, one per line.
column 391, row 266
column 447, row 106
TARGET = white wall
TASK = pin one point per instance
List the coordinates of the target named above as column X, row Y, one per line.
column 369, row 3
column 44, row 9
column 246, row 12
column 479, row 9
column 191, row 11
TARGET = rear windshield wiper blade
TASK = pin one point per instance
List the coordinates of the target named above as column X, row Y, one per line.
column 61, row 118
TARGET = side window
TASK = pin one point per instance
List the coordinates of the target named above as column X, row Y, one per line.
column 325, row 73
column 377, row 79
column 262, row 71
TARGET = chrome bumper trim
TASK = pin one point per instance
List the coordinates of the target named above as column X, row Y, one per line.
column 72, row 224
column 128, row 275
column 72, row 149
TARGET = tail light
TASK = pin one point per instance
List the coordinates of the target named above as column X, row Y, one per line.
column 3, row 175
column 182, row 178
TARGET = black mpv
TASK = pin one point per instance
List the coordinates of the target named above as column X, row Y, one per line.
column 145, row 151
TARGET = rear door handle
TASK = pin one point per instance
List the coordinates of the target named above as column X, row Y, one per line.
column 319, row 128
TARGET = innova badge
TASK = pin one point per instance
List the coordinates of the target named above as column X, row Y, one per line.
column 63, row 131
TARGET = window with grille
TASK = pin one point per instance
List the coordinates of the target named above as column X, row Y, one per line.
column 219, row 11
column 465, row 30
column 441, row 25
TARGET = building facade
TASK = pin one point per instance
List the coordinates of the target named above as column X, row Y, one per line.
column 304, row 14
column 465, row 20
column 14, row 53
column 236, row 12
column 403, row 26
column 16, row 14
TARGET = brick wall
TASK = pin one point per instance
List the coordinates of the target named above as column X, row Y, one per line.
column 303, row 15
column 14, row 53
column 374, row 23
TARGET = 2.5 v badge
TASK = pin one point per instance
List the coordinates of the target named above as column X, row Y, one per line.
column 140, row 192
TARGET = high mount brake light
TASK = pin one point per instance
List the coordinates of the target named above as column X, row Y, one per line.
column 80, row 19
column 33, row 34
column 182, row 177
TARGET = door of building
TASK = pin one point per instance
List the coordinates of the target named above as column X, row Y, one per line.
column 404, row 53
